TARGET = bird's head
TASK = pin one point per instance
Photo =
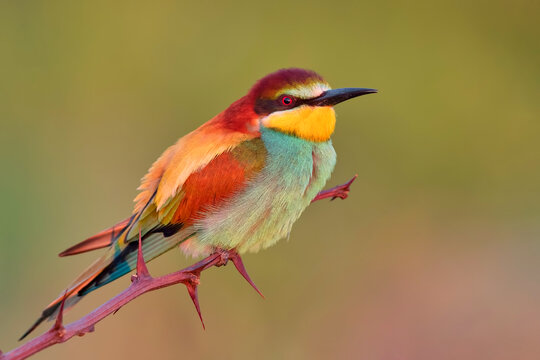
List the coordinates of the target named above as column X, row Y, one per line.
column 299, row 102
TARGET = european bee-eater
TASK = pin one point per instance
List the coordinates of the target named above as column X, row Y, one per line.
column 239, row 181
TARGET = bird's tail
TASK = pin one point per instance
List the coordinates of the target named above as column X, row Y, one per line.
column 120, row 259
column 71, row 295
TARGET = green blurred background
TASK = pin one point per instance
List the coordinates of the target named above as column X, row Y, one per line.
column 435, row 255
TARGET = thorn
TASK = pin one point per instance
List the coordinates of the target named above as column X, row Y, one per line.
column 142, row 270
column 352, row 180
column 58, row 326
column 344, row 189
column 237, row 261
column 192, row 286
column 60, row 316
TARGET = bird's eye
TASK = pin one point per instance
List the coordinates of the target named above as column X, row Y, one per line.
column 286, row 100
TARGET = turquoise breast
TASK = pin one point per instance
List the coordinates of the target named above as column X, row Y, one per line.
column 296, row 171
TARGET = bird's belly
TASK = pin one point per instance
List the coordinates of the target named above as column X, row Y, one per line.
column 264, row 212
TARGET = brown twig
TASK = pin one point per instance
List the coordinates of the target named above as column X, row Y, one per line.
column 142, row 282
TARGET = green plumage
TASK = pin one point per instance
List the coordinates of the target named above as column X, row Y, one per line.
column 264, row 212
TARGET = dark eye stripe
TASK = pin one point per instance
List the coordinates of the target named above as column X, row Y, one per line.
column 268, row 106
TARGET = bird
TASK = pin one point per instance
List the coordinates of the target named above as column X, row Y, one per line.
column 239, row 181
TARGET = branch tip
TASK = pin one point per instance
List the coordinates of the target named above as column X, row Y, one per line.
column 340, row 191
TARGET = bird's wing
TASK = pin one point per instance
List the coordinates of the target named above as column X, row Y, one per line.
column 205, row 188
column 162, row 188
column 201, row 169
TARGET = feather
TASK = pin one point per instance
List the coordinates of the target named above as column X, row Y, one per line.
column 98, row 241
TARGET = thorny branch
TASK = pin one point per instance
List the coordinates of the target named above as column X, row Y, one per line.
column 142, row 282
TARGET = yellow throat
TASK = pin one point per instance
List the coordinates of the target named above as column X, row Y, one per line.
column 306, row 122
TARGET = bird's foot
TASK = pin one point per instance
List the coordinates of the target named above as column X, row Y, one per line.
column 224, row 256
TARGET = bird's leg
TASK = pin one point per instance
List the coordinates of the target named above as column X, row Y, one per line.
column 340, row 191
column 224, row 256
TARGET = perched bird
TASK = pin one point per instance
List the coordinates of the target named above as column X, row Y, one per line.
column 239, row 181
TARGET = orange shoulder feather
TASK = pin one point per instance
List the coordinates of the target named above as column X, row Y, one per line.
column 223, row 177
column 178, row 162
column 202, row 167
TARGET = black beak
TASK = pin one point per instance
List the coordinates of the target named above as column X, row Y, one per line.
column 334, row 97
